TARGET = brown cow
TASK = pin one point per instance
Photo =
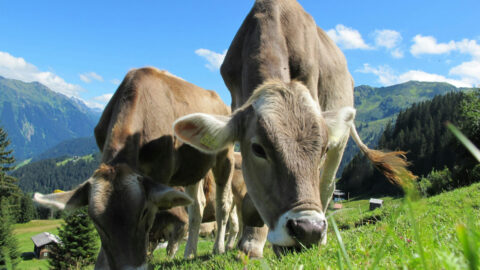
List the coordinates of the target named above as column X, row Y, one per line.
column 293, row 97
column 136, row 139
column 170, row 225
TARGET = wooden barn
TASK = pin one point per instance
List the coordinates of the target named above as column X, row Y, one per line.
column 43, row 243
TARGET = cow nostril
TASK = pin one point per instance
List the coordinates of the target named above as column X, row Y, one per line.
column 291, row 227
column 307, row 232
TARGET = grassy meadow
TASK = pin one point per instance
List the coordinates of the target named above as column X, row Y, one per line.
column 440, row 232
column 24, row 232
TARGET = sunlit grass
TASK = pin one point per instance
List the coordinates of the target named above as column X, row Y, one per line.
column 24, row 232
column 412, row 234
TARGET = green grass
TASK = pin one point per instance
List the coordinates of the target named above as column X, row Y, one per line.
column 87, row 158
column 24, row 232
column 440, row 232
column 23, row 163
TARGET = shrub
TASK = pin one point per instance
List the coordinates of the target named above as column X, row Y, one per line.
column 436, row 182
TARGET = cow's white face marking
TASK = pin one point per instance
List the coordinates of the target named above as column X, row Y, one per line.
column 99, row 197
column 280, row 236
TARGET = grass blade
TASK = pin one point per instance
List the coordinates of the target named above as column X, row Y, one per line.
column 465, row 141
column 340, row 243
column 411, row 216
column 469, row 246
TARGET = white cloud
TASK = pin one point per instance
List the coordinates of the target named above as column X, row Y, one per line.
column 347, row 38
column 397, row 53
column 387, row 38
column 95, row 105
column 468, row 71
column 418, row 75
column 214, row 59
column 469, row 47
column 385, row 73
column 387, row 76
column 104, row 98
column 17, row 68
column 89, row 76
column 429, row 45
column 115, row 81
column 390, row 40
column 99, row 102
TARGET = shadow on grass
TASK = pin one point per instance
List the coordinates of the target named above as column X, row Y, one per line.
column 27, row 256
column 177, row 263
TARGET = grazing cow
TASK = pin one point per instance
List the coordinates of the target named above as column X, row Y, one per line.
column 293, row 100
column 139, row 151
column 170, row 225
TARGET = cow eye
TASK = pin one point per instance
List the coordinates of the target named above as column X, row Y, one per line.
column 258, row 151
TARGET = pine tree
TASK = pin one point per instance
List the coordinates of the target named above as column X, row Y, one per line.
column 7, row 183
column 27, row 210
column 9, row 255
column 79, row 240
column 10, row 193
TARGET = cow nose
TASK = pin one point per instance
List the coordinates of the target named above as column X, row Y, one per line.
column 305, row 231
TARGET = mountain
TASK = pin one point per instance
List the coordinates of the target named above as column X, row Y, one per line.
column 378, row 106
column 70, row 148
column 63, row 173
column 36, row 118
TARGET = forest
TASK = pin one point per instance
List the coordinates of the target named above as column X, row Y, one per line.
column 436, row 157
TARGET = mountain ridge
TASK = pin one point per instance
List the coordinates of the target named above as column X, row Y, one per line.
column 37, row 118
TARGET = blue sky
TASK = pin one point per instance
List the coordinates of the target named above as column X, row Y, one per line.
column 84, row 48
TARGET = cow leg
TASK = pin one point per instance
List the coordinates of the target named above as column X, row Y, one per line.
column 253, row 240
column 195, row 215
column 223, row 173
column 233, row 228
column 327, row 177
column 176, row 236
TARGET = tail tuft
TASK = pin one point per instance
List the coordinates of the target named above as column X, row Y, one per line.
column 392, row 164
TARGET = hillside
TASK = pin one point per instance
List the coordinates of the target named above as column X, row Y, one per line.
column 74, row 147
column 36, row 118
column 57, row 173
column 431, row 233
column 420, row 131
column 378, row 106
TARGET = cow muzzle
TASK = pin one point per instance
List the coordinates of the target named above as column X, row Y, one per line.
column 299, row 229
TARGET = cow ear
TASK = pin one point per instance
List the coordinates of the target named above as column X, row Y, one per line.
column 68, row 200
column 205, row 132
column 165, row 197
column 339, row 123
column 250, row 215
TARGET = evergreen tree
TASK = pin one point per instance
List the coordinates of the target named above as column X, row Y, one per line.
column 10, row 193
column 420, row 130
column 27, row 210
column 9, row 255
column 7, row 183
column 79, row 240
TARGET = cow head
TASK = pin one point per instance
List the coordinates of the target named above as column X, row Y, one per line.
column 284, row 138
column 122, row 205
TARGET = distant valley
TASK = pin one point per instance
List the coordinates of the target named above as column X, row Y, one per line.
column 53, row 134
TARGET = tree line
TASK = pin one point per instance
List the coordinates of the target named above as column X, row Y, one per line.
column 435, row 155
column 46, row 175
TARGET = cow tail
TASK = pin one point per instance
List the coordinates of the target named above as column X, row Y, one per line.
column 391, row 164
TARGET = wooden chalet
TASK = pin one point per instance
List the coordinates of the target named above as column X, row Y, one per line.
column 43, row 243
